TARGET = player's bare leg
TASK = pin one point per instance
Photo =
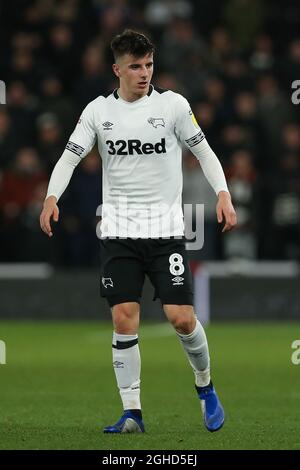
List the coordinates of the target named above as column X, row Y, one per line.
column 127, row 367
column 126, row 318
column 193, row 339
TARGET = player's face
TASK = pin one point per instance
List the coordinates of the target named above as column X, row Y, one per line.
column 134, row 74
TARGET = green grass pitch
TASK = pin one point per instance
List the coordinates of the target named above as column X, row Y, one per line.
column 58, row 389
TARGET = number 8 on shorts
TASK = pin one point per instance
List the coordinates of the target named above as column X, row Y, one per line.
column 176, row 264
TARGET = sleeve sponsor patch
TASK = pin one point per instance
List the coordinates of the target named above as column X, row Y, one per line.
column 75, row 148
column 196, row 139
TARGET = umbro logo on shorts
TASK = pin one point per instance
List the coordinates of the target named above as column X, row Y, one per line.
column 107, row 281
column 177, row 281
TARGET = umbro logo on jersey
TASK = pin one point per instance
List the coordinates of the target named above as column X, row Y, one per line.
column 107, row 125
column 157, row 122
column 107, row 281
column 177, row 281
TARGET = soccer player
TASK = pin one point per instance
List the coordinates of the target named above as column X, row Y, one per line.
column 140, row 130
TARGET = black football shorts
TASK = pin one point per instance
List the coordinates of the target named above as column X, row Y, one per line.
column 124, row 263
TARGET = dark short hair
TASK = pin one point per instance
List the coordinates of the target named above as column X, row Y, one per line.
column 131, row 42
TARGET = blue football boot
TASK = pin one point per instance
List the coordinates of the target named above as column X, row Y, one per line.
column 128, row 423
column 212, row 409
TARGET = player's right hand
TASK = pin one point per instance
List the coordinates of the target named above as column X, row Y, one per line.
column 50, row 209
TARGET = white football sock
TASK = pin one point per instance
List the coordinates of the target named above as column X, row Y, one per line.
column 196, row 348
column 127, row 367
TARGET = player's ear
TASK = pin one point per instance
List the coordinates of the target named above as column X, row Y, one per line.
column 116, row 69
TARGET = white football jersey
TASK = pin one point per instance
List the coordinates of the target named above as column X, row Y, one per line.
column 140, row 144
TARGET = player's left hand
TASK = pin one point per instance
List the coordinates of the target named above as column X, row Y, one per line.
column 225, row 211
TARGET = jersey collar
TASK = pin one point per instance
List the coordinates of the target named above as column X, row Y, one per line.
column 116, row 95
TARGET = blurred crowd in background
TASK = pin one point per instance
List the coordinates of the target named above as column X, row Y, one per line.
column 235, row 62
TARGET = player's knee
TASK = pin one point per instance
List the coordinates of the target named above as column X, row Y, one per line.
column 184, row 325
column 183, row 319
column 125, row 317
